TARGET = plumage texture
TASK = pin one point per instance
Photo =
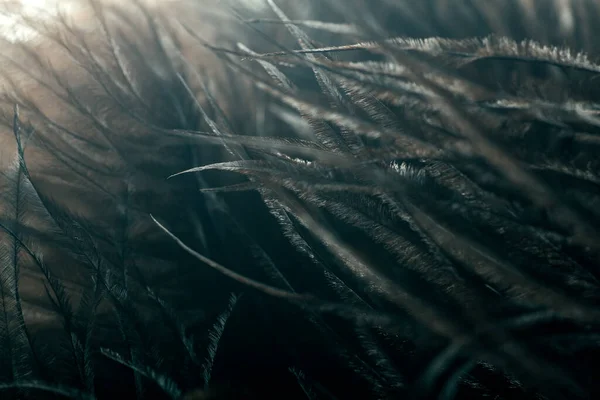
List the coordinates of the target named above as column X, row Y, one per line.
column 405, row 192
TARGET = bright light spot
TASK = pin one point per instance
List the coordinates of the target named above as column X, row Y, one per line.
column 12, row 26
